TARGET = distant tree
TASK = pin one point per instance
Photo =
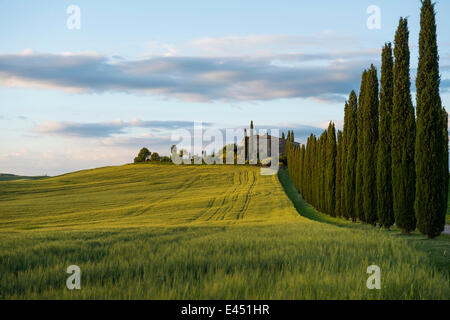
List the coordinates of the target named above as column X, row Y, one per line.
column 351, row 152
column 370, row 139
column 165, row 159
column 403, row 134
column 384, row 162
column 155, row 156
column 359, row 209
column 431, row 153
column 282, row 136
column 330, row 177
column 142, row 156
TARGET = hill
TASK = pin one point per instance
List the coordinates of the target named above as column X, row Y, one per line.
column 9, row 177
column 199, row 232
column 142, row 196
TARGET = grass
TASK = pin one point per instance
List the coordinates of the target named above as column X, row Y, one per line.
column 199, row 232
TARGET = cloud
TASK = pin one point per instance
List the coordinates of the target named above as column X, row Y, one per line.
column 266, row 43
column 191, row 78
column 106, row 129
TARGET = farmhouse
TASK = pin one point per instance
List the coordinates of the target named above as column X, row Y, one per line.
column 266, row 138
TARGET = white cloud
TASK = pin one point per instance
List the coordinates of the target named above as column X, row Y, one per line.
column 189, row 78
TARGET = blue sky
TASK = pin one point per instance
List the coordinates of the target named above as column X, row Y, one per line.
column 135, row 70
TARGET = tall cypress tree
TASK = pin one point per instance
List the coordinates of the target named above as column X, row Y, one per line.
column 351, row 142
column 330, row 178
column 320, row 172
column 308, row 169
column 370, row 139
column 343, row 205
column 315, row 172
column 323, row 165
column 403, row 134
column 303, row 172
column 384, row 163
column 445, row 167
column 339, row 175
column 359, row 209
column 431, row 152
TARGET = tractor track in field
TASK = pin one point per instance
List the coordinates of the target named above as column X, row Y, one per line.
column 186, row 185
column 243, row 183
column 242, row 212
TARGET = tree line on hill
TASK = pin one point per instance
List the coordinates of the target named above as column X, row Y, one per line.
column 145, row 155
column 390, row 163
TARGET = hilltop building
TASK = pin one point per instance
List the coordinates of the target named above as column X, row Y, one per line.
column 282, row 143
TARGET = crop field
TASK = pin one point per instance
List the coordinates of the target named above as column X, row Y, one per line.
column 199, row 232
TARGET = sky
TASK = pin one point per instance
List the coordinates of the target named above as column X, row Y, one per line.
column 134, row 71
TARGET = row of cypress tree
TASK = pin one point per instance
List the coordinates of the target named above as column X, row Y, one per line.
column 388, row 165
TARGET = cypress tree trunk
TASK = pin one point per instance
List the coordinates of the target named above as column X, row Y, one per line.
column 370, row 139
column 359, row 209
column 431, row 144
column 339, row 174
column 384, row 164
column 403, row 135
column 351, row 142
column 330, row 178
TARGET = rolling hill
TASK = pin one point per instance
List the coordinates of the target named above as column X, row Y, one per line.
column 199, row 232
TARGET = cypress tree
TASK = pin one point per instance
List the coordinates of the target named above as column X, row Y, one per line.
column 343, row 207
column 323, row 171
column 384, row 163
column 351, row 141
column 445, row 167
column 314, row 173
column 319, row 172
column 431, row 156
column 339, row 174
column 302, row 168
column 359, row 209
column 370, row 139
column 307, row 170
column 403, row 134
column 330, row 178
column 311, row 164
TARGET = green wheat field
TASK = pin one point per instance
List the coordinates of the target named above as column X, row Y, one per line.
column 154, row 231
